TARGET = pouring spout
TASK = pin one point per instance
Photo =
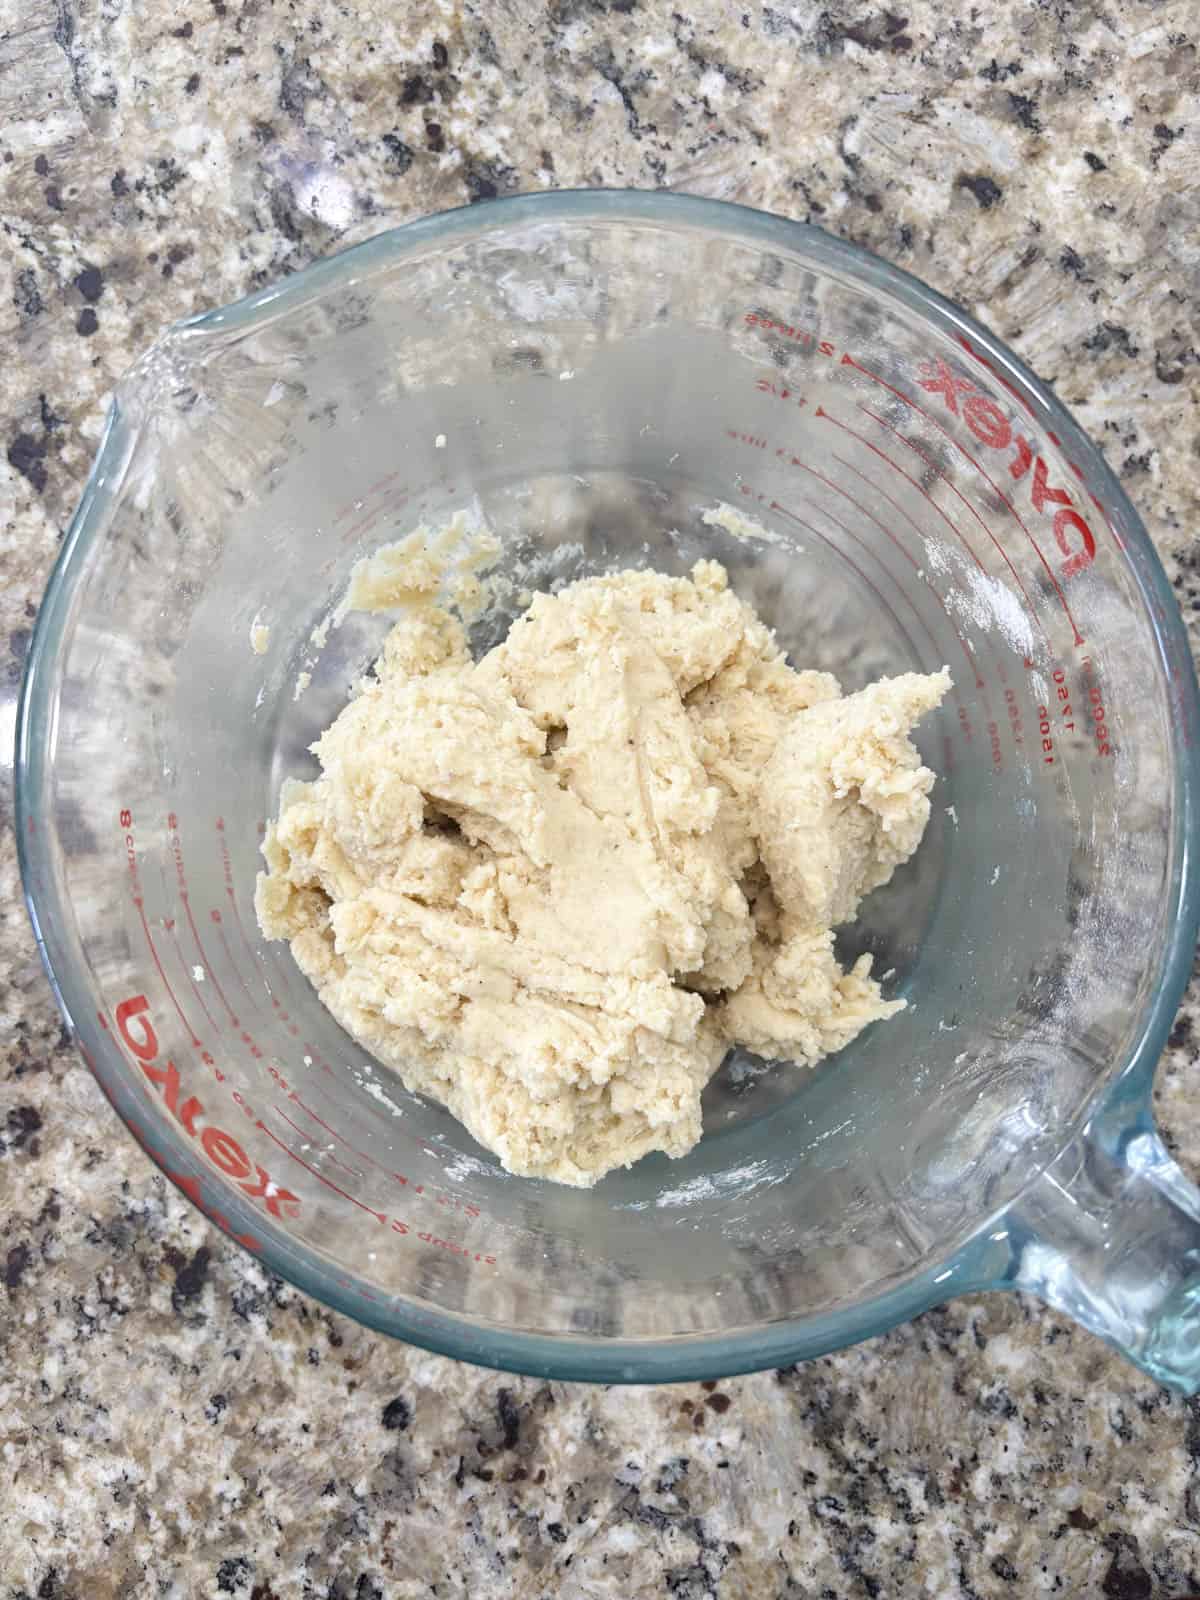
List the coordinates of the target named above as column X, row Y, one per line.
column 1110, row 1235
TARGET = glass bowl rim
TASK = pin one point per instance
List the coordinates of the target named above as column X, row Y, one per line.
column 680, row 1357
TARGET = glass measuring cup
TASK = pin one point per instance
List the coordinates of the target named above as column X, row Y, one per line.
column 590, row 372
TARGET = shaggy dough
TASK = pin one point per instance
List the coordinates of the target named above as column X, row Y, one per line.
column 552, row 887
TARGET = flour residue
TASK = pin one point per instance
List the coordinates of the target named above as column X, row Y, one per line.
column 711, row 1185
column 992, row 607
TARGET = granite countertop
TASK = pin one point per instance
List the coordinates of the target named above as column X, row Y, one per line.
column 175, row 1422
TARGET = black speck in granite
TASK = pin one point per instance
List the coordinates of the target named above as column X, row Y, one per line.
column 435, row 139
column 484, row 180
column 995, row 73
column 192, row 83
column 1126, row 1578
column 27, row 296
column 1164, row 137
column 233, row 1575
column 399, row 155
column 15, row 1263
column 1071, row 261
column 21, row 1128
column 28, row 456
column 1182, row 1033
column 986, row 190
column 509, row 1416
column 299, row 83
column 191, row 1274
column 416, row 91
column 605, row 62
column 397, row 1414
column 41, row 166
column 1112, row 336
column 118, row 184
column 1024, row 110
column 168, row 176
column 18, row 648
column 53, row 197
column 885, row 32
column 1094, row 161
column 87, row 322
column 90, row 283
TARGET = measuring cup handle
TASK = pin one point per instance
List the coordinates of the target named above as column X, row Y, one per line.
column 1110, row 1235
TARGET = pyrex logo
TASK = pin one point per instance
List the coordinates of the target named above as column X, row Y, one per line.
column 992, row 428
column 221, row 1148
column 987, row 423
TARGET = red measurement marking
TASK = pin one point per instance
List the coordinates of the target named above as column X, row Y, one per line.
column 185, row 897
column 384, row 483
column 1094, row 709
column 355, row 506
column 278, row 974
column 848, row 360
column 172, row 929
column 767, row 386
column 227, row 872
column 141, row 911
column 196, row 991
column 328, row 1154
column 884, row 604
column 362, row 1154
column 380, row 1216
column 308, row 1111
column 908, row 478
column 208, row 967
column 227, row 865
column 925, row 580
column 955, row 490
column 245, row 1037
column 372, row 517
column 887, row 532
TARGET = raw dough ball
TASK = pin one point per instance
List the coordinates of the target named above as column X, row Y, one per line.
column 552, row 887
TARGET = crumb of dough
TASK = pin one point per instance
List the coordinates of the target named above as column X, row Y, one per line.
column 744, row 528
column 550, row 888
column 260, row 637
column 409, row 574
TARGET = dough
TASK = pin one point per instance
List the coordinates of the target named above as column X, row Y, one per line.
column 552, row 887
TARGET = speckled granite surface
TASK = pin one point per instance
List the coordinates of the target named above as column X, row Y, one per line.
column 172, row 1422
